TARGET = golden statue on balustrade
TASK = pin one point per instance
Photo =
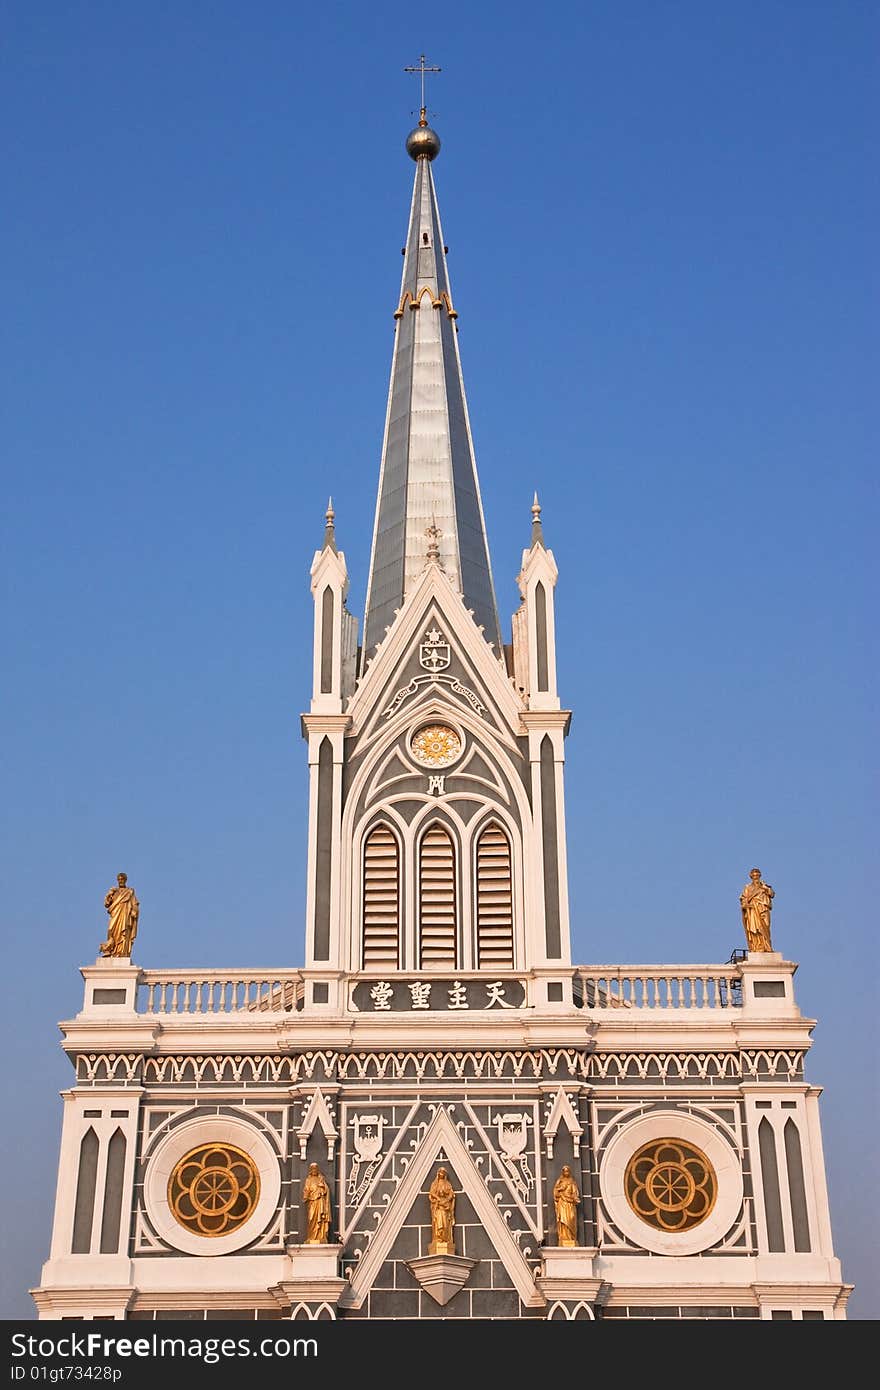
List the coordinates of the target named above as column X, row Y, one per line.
column 124, row 909
column 756, row 900
column 316, row 1197
column 565, row 1201
column 441, row 1196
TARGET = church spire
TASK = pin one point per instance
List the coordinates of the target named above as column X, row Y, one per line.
column 428, row 473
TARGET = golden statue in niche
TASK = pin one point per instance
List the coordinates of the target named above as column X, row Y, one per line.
column 316, row 1196
column 756, row 900
column 442, row 1199
column 124, row 910
column 565, row 1201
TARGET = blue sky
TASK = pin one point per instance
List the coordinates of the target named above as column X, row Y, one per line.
column 662, row 220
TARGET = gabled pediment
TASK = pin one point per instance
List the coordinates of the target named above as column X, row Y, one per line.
column 434, row 646
column 442, row 1142
column 562, row 1115
column 317, row 1116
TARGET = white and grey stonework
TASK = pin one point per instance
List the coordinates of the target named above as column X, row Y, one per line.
column 438, row 1018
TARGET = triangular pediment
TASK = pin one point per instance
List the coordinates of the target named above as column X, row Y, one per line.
column 317, row 1116
column 562, row 1115
column 434, row 649
column 441, row 1140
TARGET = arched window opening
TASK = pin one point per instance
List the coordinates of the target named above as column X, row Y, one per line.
column 494, row 914
column 381, row 902
column 437, row 915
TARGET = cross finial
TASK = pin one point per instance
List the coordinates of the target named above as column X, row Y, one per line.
column 421, row 70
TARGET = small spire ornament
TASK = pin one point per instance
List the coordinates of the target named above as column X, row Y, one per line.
column 330, row 527
column 537, row 528
column 433, row 533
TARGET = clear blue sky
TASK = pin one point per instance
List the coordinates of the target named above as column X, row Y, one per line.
column 662, row 221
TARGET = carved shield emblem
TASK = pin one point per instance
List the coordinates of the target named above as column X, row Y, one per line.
column 367, row 1137
column 512, row 1134
column 434, row 653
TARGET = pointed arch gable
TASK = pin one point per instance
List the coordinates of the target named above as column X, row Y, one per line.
column 442, row 1137
column 432, row 598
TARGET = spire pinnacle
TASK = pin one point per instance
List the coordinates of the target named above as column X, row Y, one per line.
column 537, row 528
column 423, row 142
column 428, row 463
column 330, row 527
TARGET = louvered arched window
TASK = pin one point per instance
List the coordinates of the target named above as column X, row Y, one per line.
column 437, row 926
column 494, row 906
column 381, row 927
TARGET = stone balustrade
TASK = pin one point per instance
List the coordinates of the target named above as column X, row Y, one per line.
column 219, row 991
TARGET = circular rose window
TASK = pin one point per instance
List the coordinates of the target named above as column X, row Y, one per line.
column 436, row 745
column 213, row 1189
column 670, row 1184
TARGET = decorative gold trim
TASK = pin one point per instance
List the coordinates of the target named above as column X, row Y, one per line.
column 435, row 745
column 415, row 302
column 213, row 1189
column 670, row 1185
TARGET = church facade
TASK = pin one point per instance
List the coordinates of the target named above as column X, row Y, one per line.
column 439, row 1115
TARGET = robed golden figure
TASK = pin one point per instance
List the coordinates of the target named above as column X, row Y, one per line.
column 756, row 900
column 442, row 1199
column 124, row 910
column 565, row 1201
column 316, row 1197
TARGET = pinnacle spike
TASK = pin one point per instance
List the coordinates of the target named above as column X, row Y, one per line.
column 330, row 526
column 537, row 528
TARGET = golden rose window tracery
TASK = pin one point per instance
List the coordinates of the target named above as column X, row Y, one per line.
column 213, row 1189
column 435, row 745
column 670, row 1184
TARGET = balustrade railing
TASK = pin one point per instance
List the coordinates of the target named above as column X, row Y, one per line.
column 219, row 991
column 658, row 987
column 212, row 992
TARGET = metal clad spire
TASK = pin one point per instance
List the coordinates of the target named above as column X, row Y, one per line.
column 428, row 473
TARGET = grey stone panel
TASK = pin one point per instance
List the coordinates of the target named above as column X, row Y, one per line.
column 324, row 833
column 795, row 1167
column 551, row 850
column 113, row 1187
column 770, row 1180
column 481, row 1277
column 476, row 576
column 230, row 1314
column 386, row 580
column 472, row 1240
column 495, row 1303
column 407, row 1246
column 327, row 606
column 525, row 765
column 706, row 1312
column 395, row 1303
column 408, row 810
column 84, row 1206
column 541, row 634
